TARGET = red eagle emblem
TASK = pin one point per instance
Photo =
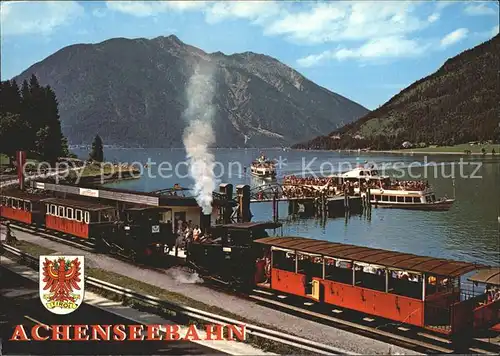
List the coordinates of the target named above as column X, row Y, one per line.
column 61, row 277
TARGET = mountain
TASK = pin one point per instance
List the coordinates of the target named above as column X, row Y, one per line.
column 457, row 104
column 131, row 93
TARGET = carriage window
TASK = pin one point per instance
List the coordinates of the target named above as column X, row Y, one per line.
column 338, row 271
column 405, row 283
column 370, row 276
column 69, row 213
column 53, row 210
column 78, row 215
column 8, row 202
column 61, row 212
column 401, row 199
column 284, row 260
column 87, row 217
column 27, row 206
column 3, row 201
column 310, row 265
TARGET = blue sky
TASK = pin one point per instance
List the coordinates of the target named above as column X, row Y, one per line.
column 366, row 51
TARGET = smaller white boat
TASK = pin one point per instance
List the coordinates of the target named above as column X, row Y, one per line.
column 263, row 168
column 385, row 193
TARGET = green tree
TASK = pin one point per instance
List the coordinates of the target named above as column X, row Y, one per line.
column 10, row 97
column 56, row 144
column 12, row 134
column 33, row 110
column 97, row 152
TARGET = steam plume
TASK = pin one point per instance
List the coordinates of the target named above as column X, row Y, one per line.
column 199, row 134
column 184, row 277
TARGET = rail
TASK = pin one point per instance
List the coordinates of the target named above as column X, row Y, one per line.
column 192, row 313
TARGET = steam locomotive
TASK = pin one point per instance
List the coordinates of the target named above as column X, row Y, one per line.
column 228, row 254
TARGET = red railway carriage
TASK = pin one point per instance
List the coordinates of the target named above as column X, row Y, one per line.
column 78, row 218
column 421, row 291
column 19, row 206
column 487, row 312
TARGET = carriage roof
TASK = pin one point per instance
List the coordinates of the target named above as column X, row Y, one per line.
column 391, row 259
column 79, row 204
column 20, row 194
column 252, row 225
column 488, row 276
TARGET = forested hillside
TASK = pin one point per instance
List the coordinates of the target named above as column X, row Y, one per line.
column 457, row 104
column 29, row 120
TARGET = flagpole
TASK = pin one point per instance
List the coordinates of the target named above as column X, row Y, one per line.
column 454, row 189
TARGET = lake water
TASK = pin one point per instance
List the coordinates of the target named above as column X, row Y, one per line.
column 469, row 231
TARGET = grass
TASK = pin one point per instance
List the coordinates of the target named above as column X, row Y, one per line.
column 163, row 294
column 95, row 170
column 4, row 160
column 33, row 249
column 456, row 149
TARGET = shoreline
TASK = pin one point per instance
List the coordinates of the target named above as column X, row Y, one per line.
column 400, row 152
column 488, row 154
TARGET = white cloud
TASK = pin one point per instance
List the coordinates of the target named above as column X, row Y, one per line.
column 376, row 49
column 336, row 21
column 494, row 31
column 252, row 10
column 214, row 11
column 454, row 37
column 27, row 17
column 441, row 4
column 152, row 8
column 479, row 10
column 434, row 17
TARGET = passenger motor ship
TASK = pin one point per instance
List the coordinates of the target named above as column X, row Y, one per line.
column 386, row 193
column 263, row 168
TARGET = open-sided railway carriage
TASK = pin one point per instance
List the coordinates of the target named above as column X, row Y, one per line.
column 78, row 218
column 19, row 206
column 417, row 290
column 486, row 311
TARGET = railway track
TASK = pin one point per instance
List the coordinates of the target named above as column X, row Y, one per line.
column 403, row 335
column 200, row 315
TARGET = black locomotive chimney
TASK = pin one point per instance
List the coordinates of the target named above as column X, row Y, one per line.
column 205, row 222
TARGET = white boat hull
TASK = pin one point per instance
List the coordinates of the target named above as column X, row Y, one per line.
column 441, row 205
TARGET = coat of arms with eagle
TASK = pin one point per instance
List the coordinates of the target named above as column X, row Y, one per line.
column 62, row 283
